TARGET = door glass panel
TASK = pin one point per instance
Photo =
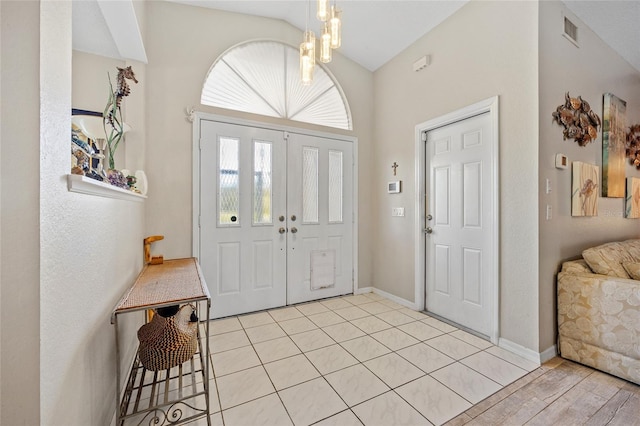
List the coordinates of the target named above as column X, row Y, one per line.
column 309, row 185
column 262, row 183
column 335, row 186
column 228, row 178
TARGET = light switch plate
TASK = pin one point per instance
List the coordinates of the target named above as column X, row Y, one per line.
column 397, row 211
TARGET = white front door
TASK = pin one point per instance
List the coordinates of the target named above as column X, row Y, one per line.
column 320, row 213
column 242, row 197
column 275, row 217
column 459, row 225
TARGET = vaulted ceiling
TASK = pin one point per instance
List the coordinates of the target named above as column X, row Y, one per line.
column 374, row 30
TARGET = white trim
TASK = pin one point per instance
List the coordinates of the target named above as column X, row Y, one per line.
column 491, row 106
column 363, row 290
column 394, row 298
column 548, row 354
column 533, row 356
column 84, row 185
column 354, row 204
column 195, row 186
column 197, row 119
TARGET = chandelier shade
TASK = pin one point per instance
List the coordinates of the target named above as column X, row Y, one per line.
column 336, row 27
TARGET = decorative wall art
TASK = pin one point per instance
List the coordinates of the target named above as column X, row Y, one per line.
column 614, row 141
column 584, row 194
column 633, row 145
column 87, row 154
column 580, row 122
column 632, row 199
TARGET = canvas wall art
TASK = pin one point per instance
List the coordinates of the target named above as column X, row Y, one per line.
column 584, row 194
column 632, row 199
column 613, row 146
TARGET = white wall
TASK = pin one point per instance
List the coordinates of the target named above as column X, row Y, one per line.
column 19, row 218
column 66, row 258
column 0, row 211
column 182, row 44
column 589, row 71
column 479, row 52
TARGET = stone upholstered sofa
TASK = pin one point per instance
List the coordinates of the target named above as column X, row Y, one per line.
column 599, row 309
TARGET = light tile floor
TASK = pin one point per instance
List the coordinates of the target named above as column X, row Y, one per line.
column 351, row 360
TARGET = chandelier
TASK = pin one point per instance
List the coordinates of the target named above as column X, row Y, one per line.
column 330, row 17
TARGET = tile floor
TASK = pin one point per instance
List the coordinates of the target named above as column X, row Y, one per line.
column 349, row 361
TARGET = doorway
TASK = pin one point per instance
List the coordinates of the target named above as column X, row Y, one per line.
column 276, row 216
column 458, row 217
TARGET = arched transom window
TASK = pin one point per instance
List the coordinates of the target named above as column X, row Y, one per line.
column 263, row 77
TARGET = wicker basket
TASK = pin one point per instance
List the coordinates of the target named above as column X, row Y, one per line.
column 168, row 342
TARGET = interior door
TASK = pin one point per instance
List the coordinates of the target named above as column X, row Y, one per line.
column 459, row 226
column 320, row 215
column 243, row 236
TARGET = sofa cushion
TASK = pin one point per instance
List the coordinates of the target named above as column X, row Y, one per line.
column 633, row 247
column 633, row 269
column 576, row 267
column 607, row 259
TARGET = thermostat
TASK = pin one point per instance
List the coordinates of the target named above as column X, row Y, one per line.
column 394, row 187
column 561, row 161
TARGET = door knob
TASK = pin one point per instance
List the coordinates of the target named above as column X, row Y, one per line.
column 281, row 218
column 294, row 230
column 429, row 217
column 428, row 230
column 282, row 230
column 293, row 217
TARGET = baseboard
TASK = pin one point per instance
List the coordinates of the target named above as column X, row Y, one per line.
column 533, row 356
column 549, row 353
column 393, row 298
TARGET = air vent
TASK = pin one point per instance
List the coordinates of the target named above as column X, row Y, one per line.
column 570, row 31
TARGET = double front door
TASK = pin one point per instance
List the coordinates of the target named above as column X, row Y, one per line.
column 276, row 217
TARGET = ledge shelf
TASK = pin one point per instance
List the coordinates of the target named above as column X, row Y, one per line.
column 85, row 185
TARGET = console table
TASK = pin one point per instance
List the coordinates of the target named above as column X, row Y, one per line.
column 180, row 394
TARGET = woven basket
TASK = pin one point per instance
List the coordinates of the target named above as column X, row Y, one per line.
column 168, row 342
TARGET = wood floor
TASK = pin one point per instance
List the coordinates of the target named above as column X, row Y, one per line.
column 560, row 392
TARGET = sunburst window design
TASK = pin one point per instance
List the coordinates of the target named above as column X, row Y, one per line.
column 263, row 77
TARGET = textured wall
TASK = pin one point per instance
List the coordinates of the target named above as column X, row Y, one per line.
column 90, row 247
column 478, row 53
column 590, row 71
column 182, row 44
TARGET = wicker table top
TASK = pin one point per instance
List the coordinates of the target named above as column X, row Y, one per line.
column 172, row 282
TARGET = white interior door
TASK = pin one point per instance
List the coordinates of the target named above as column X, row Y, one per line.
column 242, row 198
column 460, row 281
column 276, row 217
column 320, row 214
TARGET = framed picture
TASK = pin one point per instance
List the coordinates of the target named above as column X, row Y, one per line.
column 632, row 199
column 87, row 135
column 613, row 146
column 584, row 194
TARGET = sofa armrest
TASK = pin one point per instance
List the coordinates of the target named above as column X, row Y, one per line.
column 600, row 310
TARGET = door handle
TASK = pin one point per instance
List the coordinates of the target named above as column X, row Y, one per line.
column 294, row 230
column 428, row 230
column 293, row 218
column 281, row 218
column 282, row 230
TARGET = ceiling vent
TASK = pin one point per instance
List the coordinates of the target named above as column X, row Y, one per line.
column 570, row 31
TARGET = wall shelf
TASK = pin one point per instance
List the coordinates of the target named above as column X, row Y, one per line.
column 85, row 185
